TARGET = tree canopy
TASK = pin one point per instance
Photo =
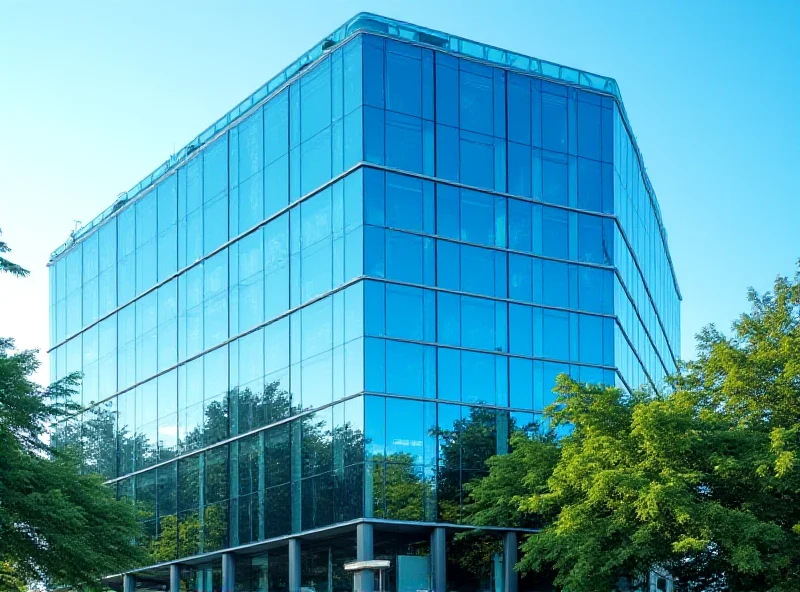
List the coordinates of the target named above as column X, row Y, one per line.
column 57, row 525
column 701, row 480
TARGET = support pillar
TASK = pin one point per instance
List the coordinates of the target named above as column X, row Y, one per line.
column 128, row 583
column 174, row 578
column 294, row 565
column 228, row 572
column 510, row 549
column 365, row 580
column 439, row 559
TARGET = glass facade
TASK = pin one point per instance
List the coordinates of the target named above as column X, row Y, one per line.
column 341, row 302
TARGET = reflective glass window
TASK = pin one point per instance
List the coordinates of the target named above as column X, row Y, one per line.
column 555, row 283
column 519, row 109
column 555, row 179
column 591, row 339
column 589, row 128
column 555, row 233
column 404, row 368
column 554, row 122
column 475, row 95
column 555, row 334
column 590, row 185
column 403, row 78
column 477, row 377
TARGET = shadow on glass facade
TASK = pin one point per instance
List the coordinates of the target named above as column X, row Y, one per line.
column 303, row 337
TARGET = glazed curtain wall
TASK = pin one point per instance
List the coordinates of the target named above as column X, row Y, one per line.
column 430, row 113
column 268, row 365
column 302, row 137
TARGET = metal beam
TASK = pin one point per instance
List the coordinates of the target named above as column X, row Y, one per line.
column 365, row 579
column 228, row 572
column 439, row 559
column 510, row 549
column 174, row 578
column 294, row 565
column 128, row 583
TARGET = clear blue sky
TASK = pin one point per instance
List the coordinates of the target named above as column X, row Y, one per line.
column 95, row 94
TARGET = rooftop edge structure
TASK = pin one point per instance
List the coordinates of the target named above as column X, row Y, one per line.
column 303, row 335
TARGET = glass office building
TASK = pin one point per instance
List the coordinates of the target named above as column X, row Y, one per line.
column 305, row 333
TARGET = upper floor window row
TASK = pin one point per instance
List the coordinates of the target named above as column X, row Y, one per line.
column 461, row 93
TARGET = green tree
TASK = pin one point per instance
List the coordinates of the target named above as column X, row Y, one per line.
column 701, row 481
column 6, row 265
column 56, row 525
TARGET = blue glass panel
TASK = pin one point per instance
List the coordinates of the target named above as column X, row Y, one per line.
column 520, row 327
column 375, row 365
column 351, row 63
column 589, row 185
column 591, row 339
column 404, row 202
column 519, row 109
column 276, row 266
column 315, row 155
column 519, row 170
column 520, row 225
column 446, row 90
column 477, row 217
column 107, row 249
column 477, row 378
column 447, row 152
column 591, row 289
column 374, row 196
column 317, row 328
column 404, row 142
column 428, row 107
column 554, row 122
column 404, row 257
column 477, row 160
column 448, row 318
column 276, row 185
column 404, row 312
column 520, row 373
column 477, row 323
column 555, row 233
column 475, row 102
column 554, row 179
column 276, row 127
column 449, row 374
column 499, row 102
column 589, row 129
column 215, row 169
column 590, row 239
column 447, row 211
column 315, row 100
column 373, row 71
column 374, row 142
column 374, row 252
column 555, row 283
column 555, row 334
column 404, row 369
column 520, row 278
column 447, row 265
column 477, row 270
column 403, row 79
column 215, row 224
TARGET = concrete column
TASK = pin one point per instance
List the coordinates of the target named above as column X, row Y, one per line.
column 174, row 578
column 128, row 583
column 294, row 565
column 228, row 572
column 439, row 559
column 365, row 580
column 510, row 548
